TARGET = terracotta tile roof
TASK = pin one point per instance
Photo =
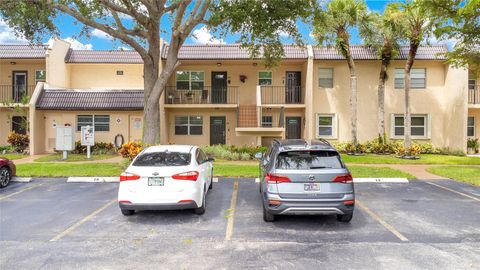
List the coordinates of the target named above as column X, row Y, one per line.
column 22, row 51
column 103, row 57
column 83, row 100
column 367, row 53
column 228, row 52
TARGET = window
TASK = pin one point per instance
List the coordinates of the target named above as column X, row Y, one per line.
column 267, row 121
column 120, row 72
column 471, row 84
column 19, row 124
column 265, row 78
column 325, row 77
column 163, row 159
column 40, row 76
column 471, row 126
column 417, row 77
column 188, row 125
column 200, row 156
column 99, row 122
column 190, row 80
column 308, row 160
column 325, row 126
column 418, row 126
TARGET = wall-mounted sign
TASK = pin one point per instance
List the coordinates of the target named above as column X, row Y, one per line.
column 137, row 123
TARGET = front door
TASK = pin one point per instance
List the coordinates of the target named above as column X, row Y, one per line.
column 19, row 124
column 293, row 128
column 19, row 85
column 217, row 130
column 219, row 87
column 292, row 90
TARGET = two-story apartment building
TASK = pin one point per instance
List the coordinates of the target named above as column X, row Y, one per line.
column 219, row 95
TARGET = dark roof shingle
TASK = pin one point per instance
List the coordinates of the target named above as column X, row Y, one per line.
column 84, row 100
column 360, row 52
column 22, row 51
column 103, row 57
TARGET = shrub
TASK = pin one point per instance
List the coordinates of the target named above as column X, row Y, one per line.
column 97, row 148
column 473, row 144
column 130, row 150
column 6, row 149
column 232, row 152
column 379, row 146
column 340, row 146
column 352, row 148
column 19, row 142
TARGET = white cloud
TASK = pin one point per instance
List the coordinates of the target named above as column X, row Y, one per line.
column 75, row 44
column 283, row 33
column 7, row 35
column 203, row 36
column 123, row 48
column 101, row 35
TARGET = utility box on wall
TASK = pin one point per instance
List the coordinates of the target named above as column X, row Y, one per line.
column 65, row 140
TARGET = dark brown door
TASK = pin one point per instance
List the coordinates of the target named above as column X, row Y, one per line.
column 19, row 124
column 292, row 91
column 217, row 130
column 293, row 128
column 19, row 85
column 219, row 87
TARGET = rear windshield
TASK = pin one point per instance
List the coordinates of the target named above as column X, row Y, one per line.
column 162, row 159
column 305, row 160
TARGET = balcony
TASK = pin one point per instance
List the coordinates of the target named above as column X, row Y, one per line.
column 281, row 95
column 474, row 94
column 15, row 93
column 206, row 97
column 255, row 120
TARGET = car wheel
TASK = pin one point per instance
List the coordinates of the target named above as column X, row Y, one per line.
column 5, row 177
column 127, row 212
column 345, row 218
column 211, row 181
column 268, row 217
column 201, row 209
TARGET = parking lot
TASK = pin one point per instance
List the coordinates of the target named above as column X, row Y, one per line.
column 52, row 224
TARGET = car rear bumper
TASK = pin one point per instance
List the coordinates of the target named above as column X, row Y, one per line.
column 310, row 208
column 158, row 206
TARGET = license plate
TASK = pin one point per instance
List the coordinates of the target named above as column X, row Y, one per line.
column 155, row 181
column 311, row 187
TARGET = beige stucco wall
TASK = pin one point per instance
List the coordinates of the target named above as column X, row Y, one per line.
column 6, row 69
column 57, row 72
column 476, row 113
column 104, row 76
column 444, row 100
column 120, row 123
column 6, row 115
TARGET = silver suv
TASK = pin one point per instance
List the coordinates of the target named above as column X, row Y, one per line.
column 300, row 177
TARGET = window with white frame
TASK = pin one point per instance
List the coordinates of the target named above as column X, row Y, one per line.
column 325, row 77
column 40, row 76
column 190, row 80
column 417, row 78
column 99, row 122
column 265, row 78
column 325, row 125
column 471, row 126
column 189, row 125
column 267, row 121
column 418, row 126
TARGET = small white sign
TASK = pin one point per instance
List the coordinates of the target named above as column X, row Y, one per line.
column 137, row 123
column 88, row 136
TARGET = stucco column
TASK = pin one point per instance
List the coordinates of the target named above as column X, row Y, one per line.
column 36, row 124
column 309, row 117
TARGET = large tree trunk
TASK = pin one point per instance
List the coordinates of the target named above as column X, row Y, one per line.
column 151, row 113
column 407, row 118
column 353, row 97
column 381, row 93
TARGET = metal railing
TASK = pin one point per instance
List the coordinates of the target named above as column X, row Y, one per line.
column 281, row 94
column 251, row 116
column 206, row 95
column 474, row 94
column 15, row 93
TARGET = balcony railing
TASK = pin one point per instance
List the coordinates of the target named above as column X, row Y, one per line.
column 474, row 94
column 15, row 93
column 206, row 95
column 281, row 94
column 252, row 116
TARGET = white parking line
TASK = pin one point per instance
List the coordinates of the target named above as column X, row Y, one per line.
column 257, row 180
column 215, row 180
column 20, row 191
column 380, row 180
column 22, row 179
column 454, row 191
column 93, row 179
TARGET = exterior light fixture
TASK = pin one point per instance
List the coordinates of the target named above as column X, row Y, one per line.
column 219, row 64
column 13, row 63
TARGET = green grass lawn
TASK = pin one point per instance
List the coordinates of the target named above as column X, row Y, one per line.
column 465, row 174
column 66, row 170
column 13, row 156
column 374, row 172
column 72, row 158
column 424, row 159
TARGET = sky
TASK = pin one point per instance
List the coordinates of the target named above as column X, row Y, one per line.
column 98, row 40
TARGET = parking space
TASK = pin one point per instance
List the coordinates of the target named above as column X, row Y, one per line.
column 49, row 217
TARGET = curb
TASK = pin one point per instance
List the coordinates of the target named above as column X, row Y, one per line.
column 380, row 180
column 93, row 179
column 22, row 179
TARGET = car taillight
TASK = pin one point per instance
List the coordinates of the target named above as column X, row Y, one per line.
column 346, row 179
column 191, row 176
column 275, row 179
column 128, row 176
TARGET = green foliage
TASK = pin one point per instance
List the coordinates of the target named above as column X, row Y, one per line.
column 6, row 149
column 231, row 152
column 98, row 148
column 130, row 150
column 472, row 143
column 19, row 142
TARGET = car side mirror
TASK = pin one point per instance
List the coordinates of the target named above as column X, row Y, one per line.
column 210, row 159
column 258, row 155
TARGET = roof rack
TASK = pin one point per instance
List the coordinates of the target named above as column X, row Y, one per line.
column 325, row 141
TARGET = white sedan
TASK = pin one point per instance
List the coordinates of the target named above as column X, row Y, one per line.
column 166, row 178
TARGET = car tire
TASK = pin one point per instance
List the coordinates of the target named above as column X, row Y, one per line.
column 211, row 181
column 5, row 177
column 201, row 209
column 345, row 218
column 127, row 212
column 268, row 217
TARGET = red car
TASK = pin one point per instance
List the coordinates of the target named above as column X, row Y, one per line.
column 7, row 171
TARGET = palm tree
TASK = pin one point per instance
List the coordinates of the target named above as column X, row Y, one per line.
column 383, row 34
column 415, row 26
column 331, row 26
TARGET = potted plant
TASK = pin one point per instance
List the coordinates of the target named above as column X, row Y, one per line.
column 472, row 146
column 243, row 78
